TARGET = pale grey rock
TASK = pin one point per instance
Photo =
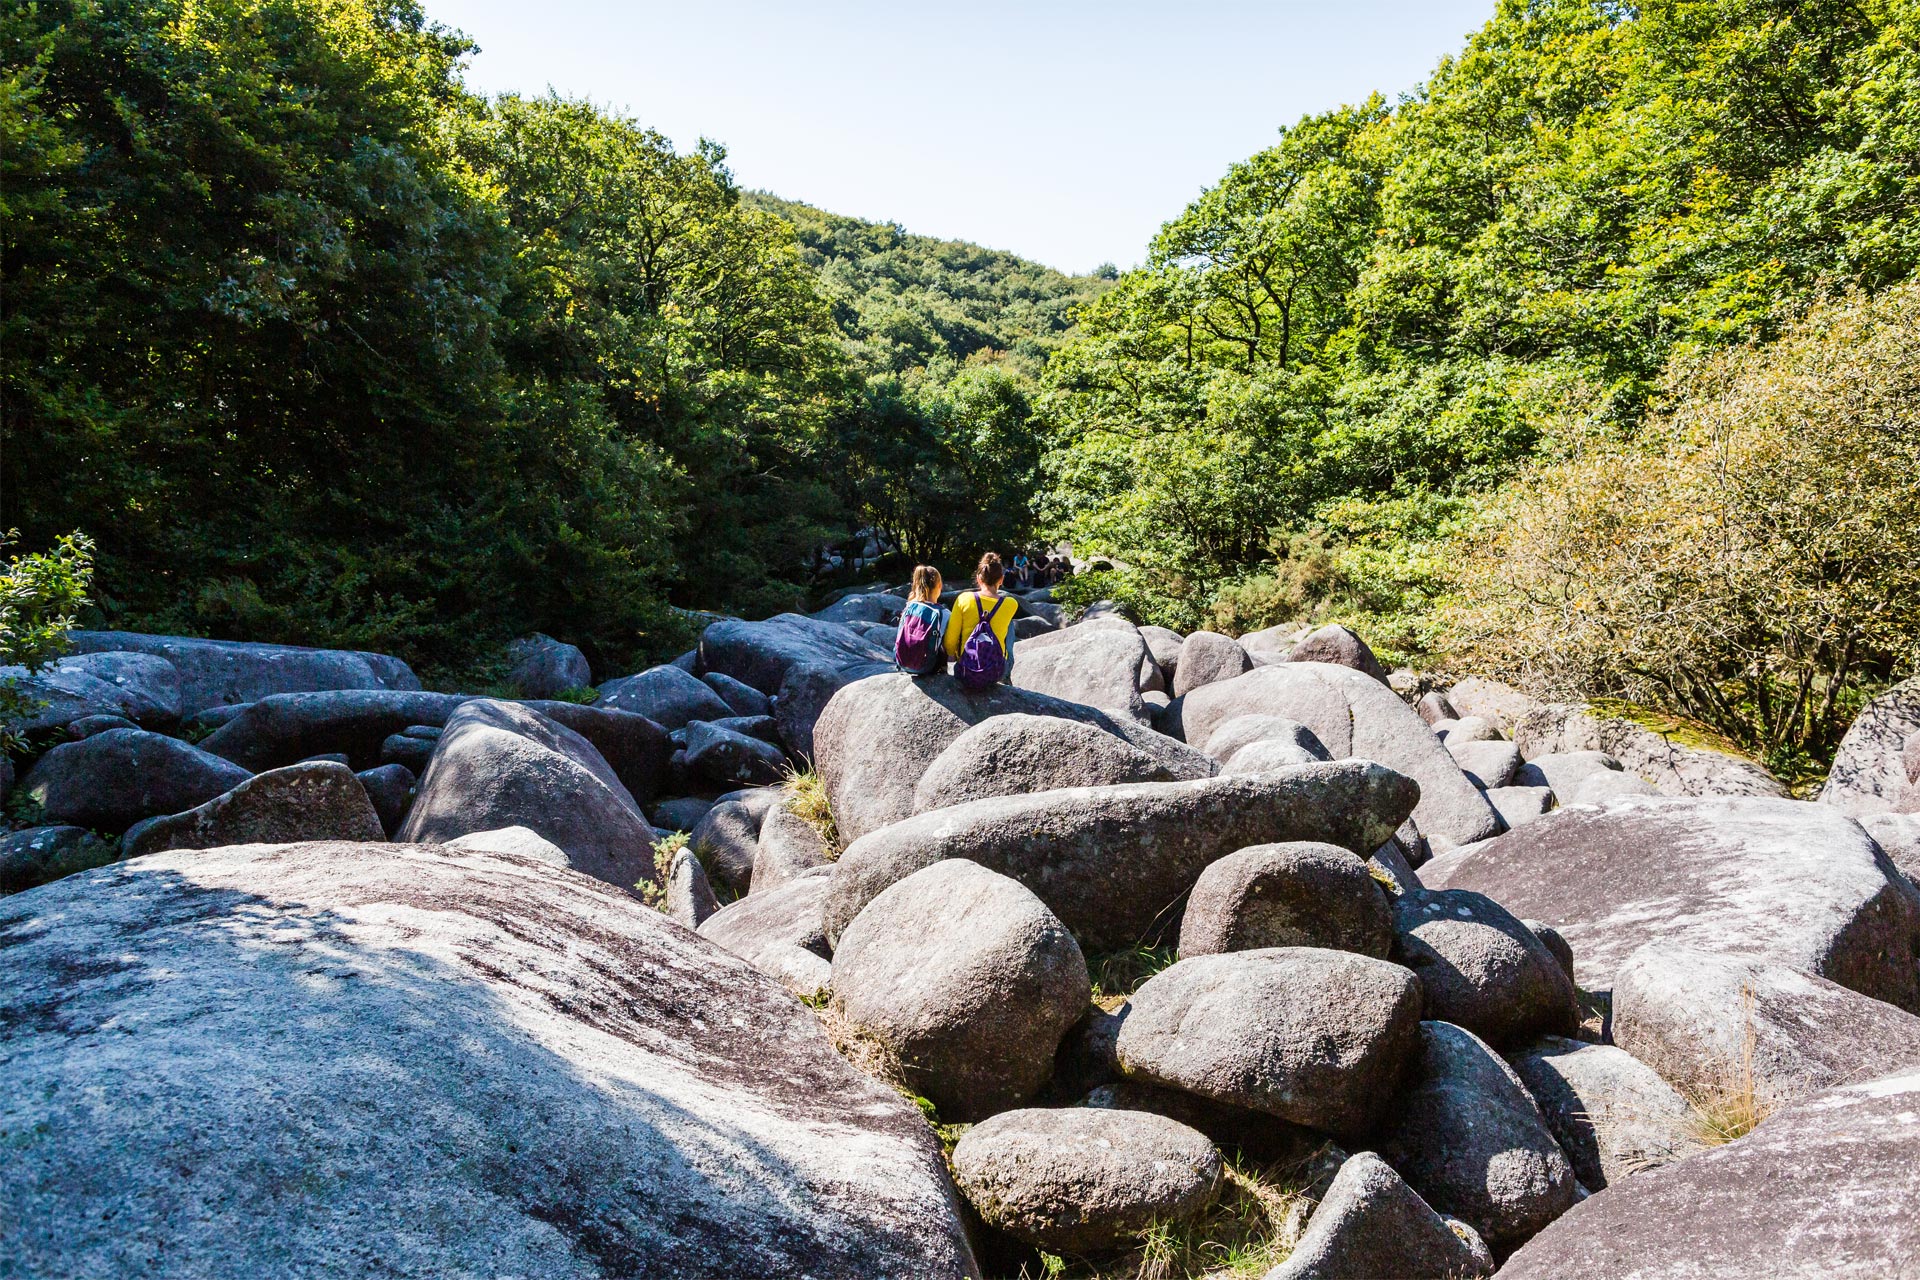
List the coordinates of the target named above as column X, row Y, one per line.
column 1095, row 667
column 1253, row 1135
column 1370, row 1224
column 727, row 840
column 1287, row 895
column 319, row 801
column 1482, row 968
column 1898, row 835
column 523, row 842
column 1163, row 646
column 1517, row 806
column 1612, row 1114
column 1207, row 657
column 1433, row 706
column 724, row 757
column 1336, row 644
column 1564, row 771
column 1605, row 787
column 1498, row 704
column 1869, row 773
column 689, row 898
column 1674, row 769
column 1466, row 729
column 1265, row 757
column 1018, row 753
column 788, row 847
column 215, row 673
column 1235, row 735
column 665, row 695
column 1488, row 763
column 112, row 780
column 779, row 931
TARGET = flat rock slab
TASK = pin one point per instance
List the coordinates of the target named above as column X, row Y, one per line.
column 1113, row 861
column 1797, row 883
column 1825, row 1188
column 215, row 673
column 456, row 1063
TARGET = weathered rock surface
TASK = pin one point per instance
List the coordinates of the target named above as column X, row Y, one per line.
column 112, row 780
column 727, row 758
column 683, row 813
column 779, row 932
column 1869, row 773
column 1019, row 753
column 213, row 673
column 390, row 788
column 689, row 898
column 1674, row 769
column 665, row 695
column 1111, row 861
column 522, row 841
column 542, row 667
column 1481, row 967
column 1254, row 1135
column 1273, row 644
column 319, row 801
column 1604, row 787
column 1469, row 1138
column 332, row 1053
column 501, row 765
column 1487, row 764
column 1434, row 706
column 1563, row 771
column 1825, row 1188
column 1499, row 704
column 1287, row 895
column 788, row 847
column 1371, row 1225
column 1898, row 835
column 1517, row 806
column 1714, row 1024
column 34, row 855
column 135, row 686
column 1336, row 644
column 967, row 982
column 1353, row 716
column 1318, row 1038
column 1612, row 1114
column 1163, row 646
column 761, row 653
column 1241, row 732
column 727, row 840
column 878, row 737
column 1082, row 1179
column 1207, row 657
column 742, row 697
column 1800, row 884
column 1093, row 666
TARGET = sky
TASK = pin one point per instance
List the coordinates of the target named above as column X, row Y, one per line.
column 1065, row 131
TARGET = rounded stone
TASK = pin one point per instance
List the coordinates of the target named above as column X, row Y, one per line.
column 1301, row 894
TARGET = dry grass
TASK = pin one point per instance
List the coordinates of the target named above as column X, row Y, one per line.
column 1733, row 1106
column 1118, row 974
column 807, row 800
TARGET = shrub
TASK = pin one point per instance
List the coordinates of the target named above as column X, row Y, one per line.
column 39, row 595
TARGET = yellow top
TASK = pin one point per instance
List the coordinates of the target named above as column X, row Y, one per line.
column 966, row 616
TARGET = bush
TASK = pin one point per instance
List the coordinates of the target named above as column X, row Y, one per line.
column 39, row 595
column 1751, row 560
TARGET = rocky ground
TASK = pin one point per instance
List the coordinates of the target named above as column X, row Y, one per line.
column 1180, row 956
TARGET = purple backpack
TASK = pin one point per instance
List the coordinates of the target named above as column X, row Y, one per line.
column 982, row 661
column 916, row 648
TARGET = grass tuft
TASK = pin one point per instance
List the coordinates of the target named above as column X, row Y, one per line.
column 807, row 800
column 1118, row 974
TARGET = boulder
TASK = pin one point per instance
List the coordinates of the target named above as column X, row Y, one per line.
column 727, row 758
column 1093, row 666
column 1353, row 716
column 1482, row 968
column 1207, row 657
column 452, row 1062
column 789, row 847
column 760, row 654
column 689, row 898
column 281, row 806
column 1501, row 705
column 683, row 813
column 1111, row 861
column 665, row 695
column 1273, row 644
column 1085, row 1180
column 1468, row 1137
column 112, row 780
column 1898, row 835
column 1517, row 806
column 1612, row 1114
column 966, row 982
column 1564, row 771
column 134, row 686
column 521, row 841
column 1800, row 884
column 1163, row 646
column 1674, row 769
column 1371, row 1224
column 501, row 765
column 1287, row 895
column 1335, row 644
column 1434, row 706
column 214, row 673
column 87, row 726
column 861, row 607
column 1318, row 1038
column 877, row 738
column 1604, row 787
column 34, row 855
column 1466, row 729
column 1718, row 1026
column 779, row 931
column 541, row 667
column 742, row 698
column 1019, row 753
column 411, row 748
column 1870, row 773
column 1241, row 732
column 727, row 840
column 1825, row 1188
column 1265, row 757
column 1486, row 763
column 1253, row 1135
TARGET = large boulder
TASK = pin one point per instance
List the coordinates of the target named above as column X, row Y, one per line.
column 878, row 737
column 1370, row 1224
column 454, row 1063
column 1869, row 773
column 1501, row 705
column 861, row 607
column 1084, row 1179
column 1163, row 646
column 1612, row 1113
column 1486, row 764
column 1675, row 768
column 1481, row 967
column 542, row 667
column 780, row 932
column 319, row 800
column 1336, row 644
column 1353, row 716
column 1242, row 732
column 665, row 695
column 743, row 698
column 135, row 686
column 727, row 840
column 762, row 653
column 1825, row 1188
column 1020, row 753
column 688, row 897
column 1318, row 1038
column 501, row 765
column 725, row 757
column 1898, row 835
column 521, row 841
column 1301, row 894
column 1253, row 1135
column 1716, row 1025
column 1207, row 657
column 967, row 983
column 114, row 779
column 1799, row 884
column 390, row 788
column 1564, row 771
column 1469, row 1138
column 1093, row 666
column 1111, row 861
column 215, row 673
column 789, row 846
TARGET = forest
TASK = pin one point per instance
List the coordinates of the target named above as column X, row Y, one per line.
column 314, row 344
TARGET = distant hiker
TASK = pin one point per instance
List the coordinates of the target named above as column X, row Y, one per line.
column 980, row 632
column 917, row 645
column 1022, row 570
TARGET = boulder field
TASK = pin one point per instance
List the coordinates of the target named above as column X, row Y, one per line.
column 774, row 961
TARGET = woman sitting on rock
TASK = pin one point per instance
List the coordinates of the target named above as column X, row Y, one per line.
column 917, row 645
column 980, row 632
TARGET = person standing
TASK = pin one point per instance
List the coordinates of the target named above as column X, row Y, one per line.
column 980, row 630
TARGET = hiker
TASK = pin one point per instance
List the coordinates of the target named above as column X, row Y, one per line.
column 980, row 631
column 918, row 646
column 1022, row 571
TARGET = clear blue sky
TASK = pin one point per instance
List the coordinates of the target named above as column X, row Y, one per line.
column 1063, row 130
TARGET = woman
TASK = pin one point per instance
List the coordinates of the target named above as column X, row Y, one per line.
column 984, row 602
column 917, row 645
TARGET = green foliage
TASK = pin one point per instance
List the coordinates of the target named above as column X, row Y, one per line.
column 40, row 593
column 653, row 892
